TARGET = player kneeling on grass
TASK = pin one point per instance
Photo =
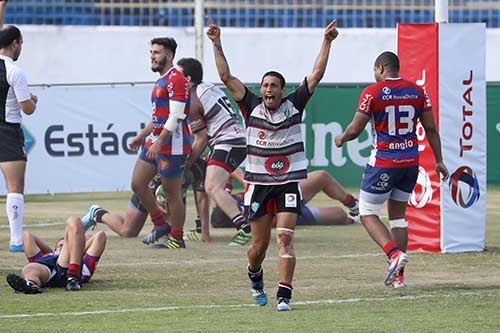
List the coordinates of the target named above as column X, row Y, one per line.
column 71, row 263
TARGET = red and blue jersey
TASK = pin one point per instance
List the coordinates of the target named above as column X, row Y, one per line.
column 172, row 86
column 394, row 106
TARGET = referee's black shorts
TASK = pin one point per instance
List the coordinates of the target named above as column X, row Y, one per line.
column 11, row 143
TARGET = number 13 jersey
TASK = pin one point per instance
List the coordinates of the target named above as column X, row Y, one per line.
column 394, row 106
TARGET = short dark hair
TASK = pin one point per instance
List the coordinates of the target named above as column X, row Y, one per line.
column 389, row 60
column 192, row 67
column 167, row 42
column 8, row 35
column 275, row 74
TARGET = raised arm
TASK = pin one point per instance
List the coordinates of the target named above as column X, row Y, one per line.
column 3, row 8
column 233, row 84
column 322, row 59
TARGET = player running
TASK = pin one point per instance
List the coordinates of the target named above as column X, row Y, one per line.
column 276, row 161
column 215, row 124
column 394, row 106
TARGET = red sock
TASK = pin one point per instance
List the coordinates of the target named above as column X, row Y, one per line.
column 349, row 201
column 158, row 219
column 177, row 233
column 391, row 249
column 74, row 270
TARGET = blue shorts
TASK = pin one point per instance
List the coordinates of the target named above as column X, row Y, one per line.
column 380, row 184
column 167, row 166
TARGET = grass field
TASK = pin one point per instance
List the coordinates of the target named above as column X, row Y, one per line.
column 338, row 282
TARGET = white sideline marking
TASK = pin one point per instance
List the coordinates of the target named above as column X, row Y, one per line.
column 214, row 306
column 39, row 225
column 194, row 262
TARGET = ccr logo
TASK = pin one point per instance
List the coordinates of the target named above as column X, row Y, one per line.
column 262, row 135
column 464, row 187
column 422, row 192
column 386, row 90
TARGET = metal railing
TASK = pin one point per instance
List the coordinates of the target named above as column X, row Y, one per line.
column 248, row 13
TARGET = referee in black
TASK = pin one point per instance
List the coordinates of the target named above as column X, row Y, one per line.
column 14, row 99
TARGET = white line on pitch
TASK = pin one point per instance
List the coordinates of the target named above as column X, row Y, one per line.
column 40, row 225
column 214, row 306
column 194, row 262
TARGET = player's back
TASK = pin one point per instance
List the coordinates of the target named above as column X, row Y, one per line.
column 394, row 106
column 221, row 120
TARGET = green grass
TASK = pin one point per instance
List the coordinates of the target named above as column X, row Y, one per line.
column 204, row 288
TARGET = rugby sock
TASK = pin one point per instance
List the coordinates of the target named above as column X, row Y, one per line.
column 391, row 249
column 349, row 201
column 158, row 220
column 177, row 234
column 15, row 209
column 228, row 187
column 197, row 221
column 284, row 290
column 255, row 276
column 74, row 270
column 240, row 223
column 98, row 214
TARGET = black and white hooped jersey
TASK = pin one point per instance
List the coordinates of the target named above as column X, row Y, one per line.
column 13, row 90
column 275, row 146
column 212, row 110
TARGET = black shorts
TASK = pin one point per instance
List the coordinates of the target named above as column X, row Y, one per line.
column 11, row 143
column 263, row 199
column 226, row 157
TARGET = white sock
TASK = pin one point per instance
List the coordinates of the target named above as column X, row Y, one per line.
column 15, row 210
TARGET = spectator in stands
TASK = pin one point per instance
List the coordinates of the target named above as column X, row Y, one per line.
column 16, row 98
column 276, row 160
column 72, row 262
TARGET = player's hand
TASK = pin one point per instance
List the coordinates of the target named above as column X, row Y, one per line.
column 154, row 150
column 442, row 170
column 136, row 143
column 331, row 31
column 34, row 98
column 338, row 141
column 213, row 31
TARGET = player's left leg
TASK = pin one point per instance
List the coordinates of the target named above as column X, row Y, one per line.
column 396, row 207
column 72, row 252
column 321, row 181
column 94, row 248
column 285, row 228
column 172, row 179
column 13, row 172
column 223, row 161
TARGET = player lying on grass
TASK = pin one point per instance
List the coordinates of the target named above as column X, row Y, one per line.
column 72, row 262
column 316, row 182
column 131, row 224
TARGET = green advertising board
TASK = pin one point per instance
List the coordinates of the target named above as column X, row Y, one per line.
column 332, row 108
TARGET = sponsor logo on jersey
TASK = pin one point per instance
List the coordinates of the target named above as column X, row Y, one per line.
column 363, row 106
column 277, row 165
column 464, row 187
